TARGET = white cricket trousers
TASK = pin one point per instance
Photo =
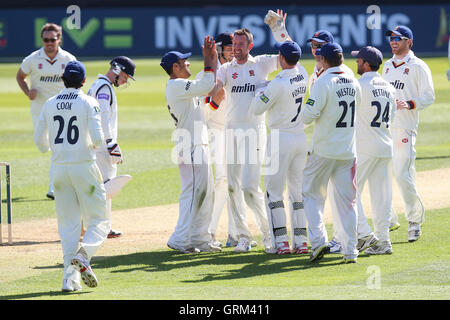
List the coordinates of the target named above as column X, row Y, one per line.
column 245, row 148
column 286, row 154
column 196, row 199
column 342, row 174
column 108, row 171
column 80, row 195
column 217, row 147
column 35, row 111
column 377, row 173
column 405, row 174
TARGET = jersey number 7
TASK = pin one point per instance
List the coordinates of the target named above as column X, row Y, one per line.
column 299, row 101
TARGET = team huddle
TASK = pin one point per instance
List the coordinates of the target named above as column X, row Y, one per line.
column 364, row 132
column 244, row 127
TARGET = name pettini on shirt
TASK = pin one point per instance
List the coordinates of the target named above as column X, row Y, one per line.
column 381, row 93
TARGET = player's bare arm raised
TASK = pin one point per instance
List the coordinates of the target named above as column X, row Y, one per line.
column 209, row 53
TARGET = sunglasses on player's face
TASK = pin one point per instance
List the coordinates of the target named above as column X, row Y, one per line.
column 397, row 39
column 316, row 45
column 46, row 40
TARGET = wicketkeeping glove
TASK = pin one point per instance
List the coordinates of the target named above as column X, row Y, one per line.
column 276, row 24
column 115, row 152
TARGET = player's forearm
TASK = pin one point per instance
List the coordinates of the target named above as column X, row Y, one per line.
column 96, row 131
column 106, row 128
column 260, row 104
column 203, row 86
column 22, row 84
column 309, row 114
column 41, row 139
column 421, row 102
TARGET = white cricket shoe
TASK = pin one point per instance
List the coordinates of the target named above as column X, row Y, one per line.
column 318, row 253
column 348, row 260
column 382, row 247
column 394, row 226
column 70, row 285
column 335, row 246
column 231, row 242
column 414, row 232
column 81, row 264
column 366, row 242
column 215, row 242
column 243, row 245
column 182, row 249
column 208, row 247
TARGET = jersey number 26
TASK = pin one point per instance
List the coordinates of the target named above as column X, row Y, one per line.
column 72, row 130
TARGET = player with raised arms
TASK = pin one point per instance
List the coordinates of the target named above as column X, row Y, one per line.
column 196, row 199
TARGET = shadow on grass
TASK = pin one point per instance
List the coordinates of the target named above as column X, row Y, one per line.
column 247, row 265
column 40, row 294
column 31, row 243
column 23, row 199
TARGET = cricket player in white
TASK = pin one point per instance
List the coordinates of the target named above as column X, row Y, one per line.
column 70, row 126
column 215, row 109
column 239, row 78
column 332, row 105
column 412, row 80
column 44, row 67
column 109, row 154
column 320, row 38
column 191, row 146
column 282, row 100
column 374, row 151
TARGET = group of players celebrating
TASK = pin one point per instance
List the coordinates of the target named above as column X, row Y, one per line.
column 364, row 131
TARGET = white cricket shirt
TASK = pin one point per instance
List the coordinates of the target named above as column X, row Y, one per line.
column 283, row 100
column 332, row 105
column 412, row 80
column 316, row 74
column 181, row 97
column 374, row 116
column 45, row 73
column 70, row 125
column 240, row 80
column 103, row 91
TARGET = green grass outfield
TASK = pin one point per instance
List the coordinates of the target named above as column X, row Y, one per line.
column 415, row 271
